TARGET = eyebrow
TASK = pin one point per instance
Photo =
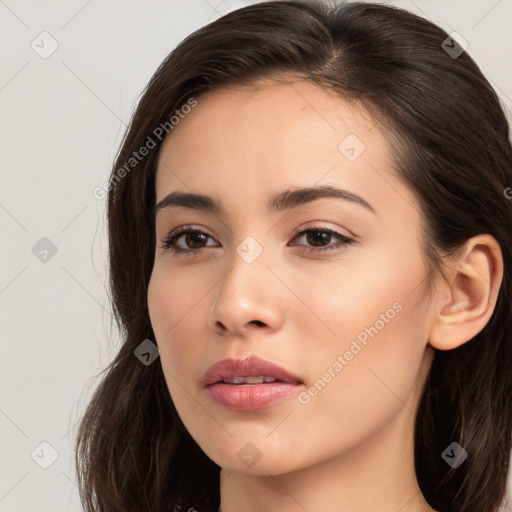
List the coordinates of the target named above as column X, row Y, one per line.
column 282, row 201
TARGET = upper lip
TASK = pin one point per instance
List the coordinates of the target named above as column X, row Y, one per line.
column 251, row 366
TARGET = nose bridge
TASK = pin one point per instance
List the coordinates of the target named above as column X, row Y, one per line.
column 246, row 293
column 247, row 271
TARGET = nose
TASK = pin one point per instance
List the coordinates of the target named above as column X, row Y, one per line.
column 249, row 298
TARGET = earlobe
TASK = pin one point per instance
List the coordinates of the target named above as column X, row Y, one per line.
column 466, row 298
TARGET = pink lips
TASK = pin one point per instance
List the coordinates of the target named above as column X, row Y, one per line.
column 249, row 396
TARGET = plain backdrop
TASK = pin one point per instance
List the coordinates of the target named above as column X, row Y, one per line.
column 62, row 118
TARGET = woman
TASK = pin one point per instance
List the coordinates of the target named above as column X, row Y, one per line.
column 308, row 217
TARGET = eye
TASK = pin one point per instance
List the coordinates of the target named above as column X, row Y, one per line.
column 319, row 235
column 193, row 239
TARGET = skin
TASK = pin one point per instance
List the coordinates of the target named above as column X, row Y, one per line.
column 350, row 447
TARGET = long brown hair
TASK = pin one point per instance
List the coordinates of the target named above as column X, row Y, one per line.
column 451, row 147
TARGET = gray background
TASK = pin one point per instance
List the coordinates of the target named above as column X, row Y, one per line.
column 62, row 120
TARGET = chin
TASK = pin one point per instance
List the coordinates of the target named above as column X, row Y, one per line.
column 251, row 458
column 268, row 468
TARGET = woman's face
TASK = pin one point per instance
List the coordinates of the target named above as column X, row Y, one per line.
column 349, row 323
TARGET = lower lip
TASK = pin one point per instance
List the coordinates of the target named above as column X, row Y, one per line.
column 251, row 397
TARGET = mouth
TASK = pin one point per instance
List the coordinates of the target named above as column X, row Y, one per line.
column 248, row 371
column 250, row 380
column 249, row 384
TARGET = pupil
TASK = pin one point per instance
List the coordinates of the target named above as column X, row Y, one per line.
column 318, row 237
column 193, row 237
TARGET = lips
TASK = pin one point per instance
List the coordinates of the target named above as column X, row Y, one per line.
column 233, row 370
column 249, row 384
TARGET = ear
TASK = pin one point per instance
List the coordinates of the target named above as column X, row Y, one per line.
column 466, row 298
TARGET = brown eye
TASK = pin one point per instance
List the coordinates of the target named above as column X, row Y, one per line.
column 319, row 239
column 193, row 239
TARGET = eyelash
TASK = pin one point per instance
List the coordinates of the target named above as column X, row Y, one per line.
column 168, row 243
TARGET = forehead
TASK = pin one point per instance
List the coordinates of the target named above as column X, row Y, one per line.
column 274, row 136
column 270, row 114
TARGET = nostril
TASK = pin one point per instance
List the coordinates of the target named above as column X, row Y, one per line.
column 221, row 326
column 257, row 322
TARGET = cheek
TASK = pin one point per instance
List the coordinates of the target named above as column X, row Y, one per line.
column 352, row 399
column 172, row 309
column 178, row 308
column 374, row 325
column 174, row 300
column 373, row 296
